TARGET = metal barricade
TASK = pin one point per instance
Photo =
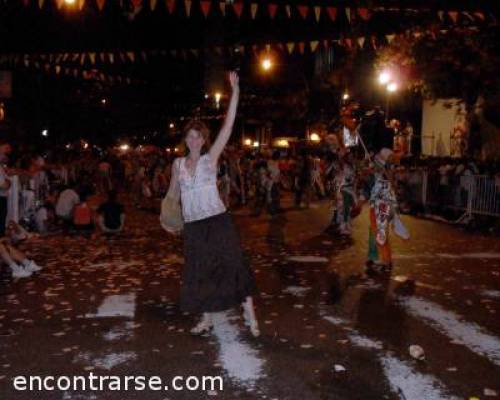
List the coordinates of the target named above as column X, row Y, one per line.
column 485, row 195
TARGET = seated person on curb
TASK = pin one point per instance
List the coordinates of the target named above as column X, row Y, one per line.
column 82, row 216
column 20, row 265
column 111, row 217
column 65, row 205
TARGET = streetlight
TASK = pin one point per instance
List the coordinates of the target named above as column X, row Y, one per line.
column 392, row 87
column 256, row 144
column 171, row 126
column 345, row 96
column 248, row 142
column 266, row 64
column 384, row 77
column 217, row 96
column 45, row 133
column 314, row 137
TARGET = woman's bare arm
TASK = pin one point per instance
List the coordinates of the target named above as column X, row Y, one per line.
column 227, row 126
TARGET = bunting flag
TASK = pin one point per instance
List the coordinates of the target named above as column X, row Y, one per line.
column 317, row 13
column 222, row 5
column 314, row 45
column 374, row 42
column 390, row 38
column 100, row 4
column 348, row 14
column 332, row 13
column 153, row 4
column 361, row 42
column 238, row 9
column 290, row 46
column 188, row 4
column 272, row 9
column 349, row 42
column 59, row 4
column 92, row 58
column 253, row 9
column 454, row 16
column 170, row 6
column 441, row 15
column 468, row 15
column 205, row 7
column 136, row 4
column 480, row 15
column 364, row 13
column 302, row 47
column 303, row 10
column 288, row 10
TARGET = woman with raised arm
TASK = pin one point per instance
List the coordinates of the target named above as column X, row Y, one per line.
column 216, row 276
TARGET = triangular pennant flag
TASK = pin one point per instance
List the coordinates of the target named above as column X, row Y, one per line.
column 348, row 14
column 478, row 14
column 348, row 42
column 222, row 5
column 454, row 16
column 288, row 10
column 390, row 38
column 441, row 15
column 82, row 59
column 144, row 56
column 195, row 52
column 253, row 9
column 374, row 42
column 153, row 4
column 272, row 8
column 417, row 34
column 268, row 48
column 332, row 13
column 75, row 57
column 59, row 4
column 364, row 13
column 317, row 13
column 102, row 57
column 26, row 3
column 40, row 3
column 131, row 56
column 468, row 15
column 188, row 4
column 290, row 46
column 361, row 42
column 100, row 4
column 58, row 69
column 205, row 7
column 303, row 11
column 111, row 58
column 241, row 48
column 136, row 3
column 238, row 9
column 92, row 58
column 314, row 45
column 302, row 47
column 170, row 6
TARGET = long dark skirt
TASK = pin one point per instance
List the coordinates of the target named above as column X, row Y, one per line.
column 216, row 275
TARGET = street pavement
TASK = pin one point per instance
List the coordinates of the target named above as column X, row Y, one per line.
column 329, row 331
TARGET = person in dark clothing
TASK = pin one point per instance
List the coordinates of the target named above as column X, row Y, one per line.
column 111, row 217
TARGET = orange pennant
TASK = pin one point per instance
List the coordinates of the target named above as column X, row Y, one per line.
column 238, row 9
column 205, row 7
column 302, row 47
column 188, row 4
column 332, row 13
column 170, row 6
column 364, row 13
column 100, row 4
column 272, row 8
column 454, row 16
column 303, row 10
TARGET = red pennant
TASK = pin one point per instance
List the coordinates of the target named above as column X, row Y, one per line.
column 303, row 10
column 302, row 47
column 454, row 16
column 170, row 6
column 480, row 15
column 364, row 13
column 205, row 7
column 238, row 9
column 349, row 43
column 272, row 8
column 136, row 3
column 332, row 13
column 26, row 3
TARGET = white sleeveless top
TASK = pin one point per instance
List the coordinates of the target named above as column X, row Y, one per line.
column 199, row 193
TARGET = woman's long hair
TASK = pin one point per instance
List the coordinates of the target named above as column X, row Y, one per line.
column 202, row 129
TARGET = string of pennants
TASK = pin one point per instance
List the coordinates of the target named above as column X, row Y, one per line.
column 86, row 64
column 206, row 7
